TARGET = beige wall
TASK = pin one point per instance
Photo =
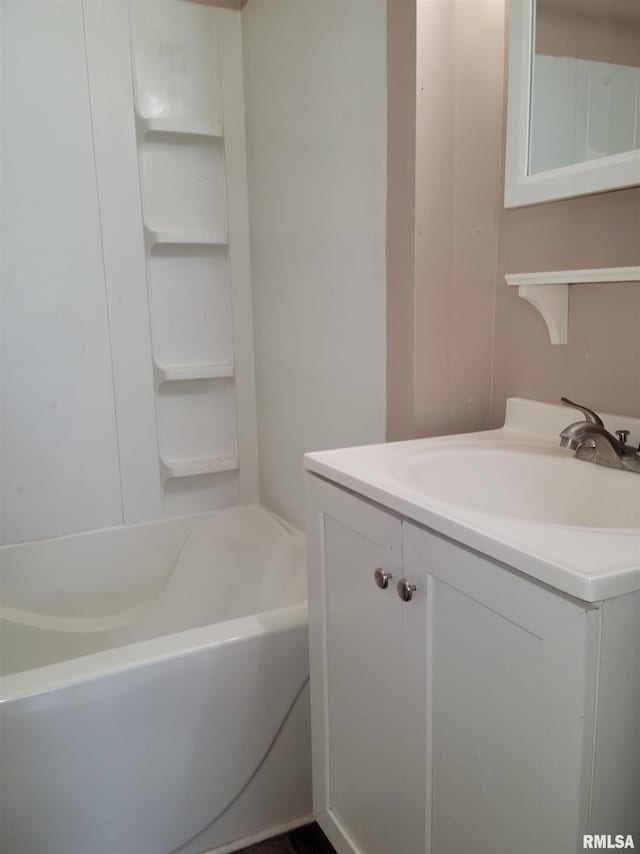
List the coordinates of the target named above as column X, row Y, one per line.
column 444, row 315
column 458, row 132
column 600, row 365
column 401, row 182
column 601, row 30
column 475, row 342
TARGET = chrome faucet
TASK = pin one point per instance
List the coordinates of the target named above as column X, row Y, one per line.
column 592, row 441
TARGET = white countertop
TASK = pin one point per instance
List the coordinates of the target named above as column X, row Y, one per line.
column 586, row 562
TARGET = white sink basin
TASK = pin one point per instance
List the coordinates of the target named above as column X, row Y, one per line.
column 513, row 494
column 535, row 483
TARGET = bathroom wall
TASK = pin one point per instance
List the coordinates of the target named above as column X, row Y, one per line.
column 401, row 214
column 59, row 439
column 599, row 364
column 127, row 360
column 127, row 353
column 603, row 30
column 458, row 127
column 475, row 342
column 316, row 146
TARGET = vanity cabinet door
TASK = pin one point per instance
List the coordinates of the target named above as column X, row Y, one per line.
column 357, row 672
column 510, row 690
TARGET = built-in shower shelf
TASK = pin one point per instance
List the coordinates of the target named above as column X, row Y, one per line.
column 185, row 127
column 198, row 466
column 194, row 237
column 177, row 373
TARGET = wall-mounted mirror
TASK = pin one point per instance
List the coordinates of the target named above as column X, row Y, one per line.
column 573, row 124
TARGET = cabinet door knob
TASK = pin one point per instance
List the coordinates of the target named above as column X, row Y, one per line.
column 382, row 578
column 405, row 590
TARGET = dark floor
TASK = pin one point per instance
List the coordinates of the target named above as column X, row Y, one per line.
column 304, row 840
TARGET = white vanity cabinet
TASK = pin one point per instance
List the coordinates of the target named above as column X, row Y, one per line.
column 368, row 739
column 464, row 720
column 509, row 678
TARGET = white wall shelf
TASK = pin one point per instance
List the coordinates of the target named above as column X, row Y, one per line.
column 155, row 237
column 184, row 127
column 177, row 373
column 198, row 466
column 549, row 292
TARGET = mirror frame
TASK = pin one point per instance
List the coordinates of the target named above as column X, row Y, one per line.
column 579, row 179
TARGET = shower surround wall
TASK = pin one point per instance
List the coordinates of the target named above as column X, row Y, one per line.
column 128, row 377
column 127, row 316
column 316, row 131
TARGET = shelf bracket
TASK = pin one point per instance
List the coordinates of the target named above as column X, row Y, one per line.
column 549, row 292
column 552, row 301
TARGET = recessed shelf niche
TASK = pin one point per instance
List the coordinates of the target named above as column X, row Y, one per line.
column 184, row 188
column 197, row 419
column 190, row 301
column 181, row 82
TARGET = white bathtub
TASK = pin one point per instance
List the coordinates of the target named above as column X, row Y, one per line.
column 154, row 696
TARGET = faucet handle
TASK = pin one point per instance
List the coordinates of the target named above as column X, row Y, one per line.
column 589, row 414
column 623, row 435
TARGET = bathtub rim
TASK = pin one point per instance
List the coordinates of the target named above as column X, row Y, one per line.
column 98, row 665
